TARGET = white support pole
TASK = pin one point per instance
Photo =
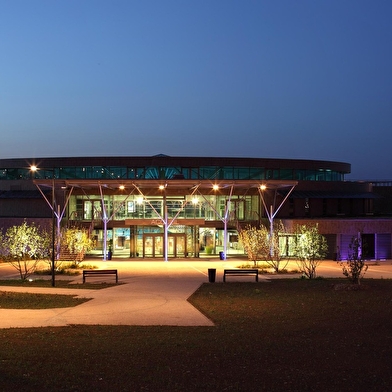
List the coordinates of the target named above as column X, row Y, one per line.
column 58, row 216
column 166, row 230
column 105, row 223
column 225, row 221
column 271, row 232
column 271, row 213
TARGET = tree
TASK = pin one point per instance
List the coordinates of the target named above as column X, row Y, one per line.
column 75, row 243
column 24, row 246
column 354, row 268
column 259, row 246
column 311, row 247
column 275, row 255
column 255, row 242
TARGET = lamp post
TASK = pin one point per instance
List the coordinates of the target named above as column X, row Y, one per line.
column 53, row 261
column 33, row 169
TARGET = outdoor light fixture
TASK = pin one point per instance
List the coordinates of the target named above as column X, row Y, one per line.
column 215, row 187
column 121, row 187
column 34, row 168
column 263, row 187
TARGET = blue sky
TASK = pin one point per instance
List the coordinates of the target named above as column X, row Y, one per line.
column 274, row 79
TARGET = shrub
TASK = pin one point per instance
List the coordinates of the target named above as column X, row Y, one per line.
column 354, row 268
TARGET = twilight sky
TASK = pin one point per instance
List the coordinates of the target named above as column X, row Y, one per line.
column 309, row 79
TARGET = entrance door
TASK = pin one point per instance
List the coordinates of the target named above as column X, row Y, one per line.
column 176, row 245
column 148, row 246
column 153, row 245
column 368, row 248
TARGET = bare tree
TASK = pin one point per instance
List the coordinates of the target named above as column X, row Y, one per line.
column 255, row 242
column 354, row 268
column 259, row 245
column 275, row 257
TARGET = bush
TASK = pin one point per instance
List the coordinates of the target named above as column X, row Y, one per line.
column 354, row 268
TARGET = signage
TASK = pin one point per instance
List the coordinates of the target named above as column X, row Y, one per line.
column 160, row 222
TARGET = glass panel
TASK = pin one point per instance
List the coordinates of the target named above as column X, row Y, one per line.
column 148, row 246
column 171, row 245
column 87, row 210
column 257, row 173
column 286, row 174
column 241, row 173
column 180, row 246
column 207, row 173
column 227, row 173
column 97, row 209
column 117, row 172
column 158, row 246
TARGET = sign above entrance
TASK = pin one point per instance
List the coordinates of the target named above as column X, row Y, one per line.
column 158, row 222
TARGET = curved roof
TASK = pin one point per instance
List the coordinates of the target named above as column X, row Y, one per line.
column 163, row 160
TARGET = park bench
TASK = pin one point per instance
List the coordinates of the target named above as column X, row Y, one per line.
column 92, row 272
column 241, row 272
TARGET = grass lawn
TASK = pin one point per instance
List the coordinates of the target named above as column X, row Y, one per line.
column 14, row 300
column 285, row 335
column 63, row 284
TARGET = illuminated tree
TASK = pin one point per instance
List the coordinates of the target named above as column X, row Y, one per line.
column 255, row 242
column 75, row 243
column 24, row 246
column 311, row 247
column 274, row 257
column 259, row 245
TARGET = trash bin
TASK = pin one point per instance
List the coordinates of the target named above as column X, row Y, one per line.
column 222, row 255
column 109, row 255
column 211, row 275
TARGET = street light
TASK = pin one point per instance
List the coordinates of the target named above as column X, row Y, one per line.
column 34, row 168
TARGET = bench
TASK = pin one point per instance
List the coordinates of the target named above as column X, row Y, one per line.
column 241, row 272
column 99, row 272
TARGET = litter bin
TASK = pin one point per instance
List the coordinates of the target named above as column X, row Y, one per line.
column 109, row 255
column 222, row 255
column 211, row 275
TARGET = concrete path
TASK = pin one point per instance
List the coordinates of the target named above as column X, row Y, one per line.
column 152, row 293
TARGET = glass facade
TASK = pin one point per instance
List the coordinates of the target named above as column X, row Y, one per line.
column 159, row 172
column 207, row 207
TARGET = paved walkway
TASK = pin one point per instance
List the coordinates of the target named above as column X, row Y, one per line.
column 152, row 293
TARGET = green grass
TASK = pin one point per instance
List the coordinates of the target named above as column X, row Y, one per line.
column 284, row 335
column 64, row 284
column 12, row 300
column 16, row 300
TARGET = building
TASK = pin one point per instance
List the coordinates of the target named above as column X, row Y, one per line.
column 163, row 207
